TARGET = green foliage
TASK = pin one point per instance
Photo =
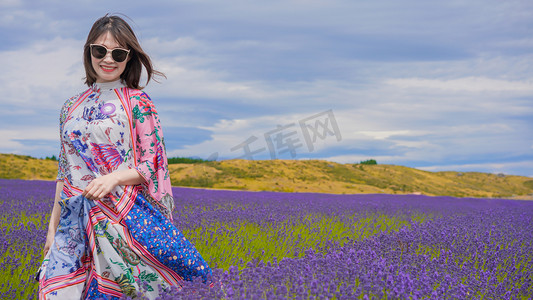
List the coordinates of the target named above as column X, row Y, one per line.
column 185, row 160
column 244, row 173
column 528, row 184
column 204, row 181
column 222, row 244
column 25, row 157
column 379, row 182
column 21, row 254
column 369, row 162
column 11, row 173
column 236, row 244
column 342, row 173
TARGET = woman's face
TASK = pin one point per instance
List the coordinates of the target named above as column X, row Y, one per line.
column 106, row 68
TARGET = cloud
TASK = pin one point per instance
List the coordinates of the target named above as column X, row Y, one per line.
column 10, row 3
column 467, row 84
column 381, row 135
column 35, row 141
column 504, row 167
column 421, row 84
column 203, row 83
column 230, row 136
column 41, row 75
column 510, row 168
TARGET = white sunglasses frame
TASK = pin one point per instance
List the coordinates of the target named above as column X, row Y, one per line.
column 109, row 51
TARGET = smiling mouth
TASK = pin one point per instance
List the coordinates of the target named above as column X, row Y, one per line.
column 107, row 69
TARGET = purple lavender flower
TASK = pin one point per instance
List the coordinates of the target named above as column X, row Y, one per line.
column 409, row 247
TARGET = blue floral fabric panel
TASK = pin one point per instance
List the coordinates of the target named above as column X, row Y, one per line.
column 165, row 242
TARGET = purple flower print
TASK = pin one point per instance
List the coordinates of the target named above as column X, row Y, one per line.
column 107, row 109
column 79, row 145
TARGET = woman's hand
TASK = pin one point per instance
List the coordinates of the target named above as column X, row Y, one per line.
column 54, row 218
column 49, row 240
column 100, row 187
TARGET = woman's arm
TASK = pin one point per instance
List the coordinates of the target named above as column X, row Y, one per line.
column 101, row 186
column 54, row 218
column 150, row 147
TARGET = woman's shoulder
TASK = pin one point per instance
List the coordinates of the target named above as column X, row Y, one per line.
column 136, row 92
column 141, row 104
column 70, row 101
column 137, row 95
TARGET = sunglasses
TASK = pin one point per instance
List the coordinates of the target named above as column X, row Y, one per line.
column 118, row 54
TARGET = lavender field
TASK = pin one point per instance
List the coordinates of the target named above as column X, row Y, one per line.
column 267, row 245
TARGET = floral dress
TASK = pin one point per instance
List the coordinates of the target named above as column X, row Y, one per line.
column 111, row 247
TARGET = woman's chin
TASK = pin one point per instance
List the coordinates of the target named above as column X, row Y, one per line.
column 107, row 77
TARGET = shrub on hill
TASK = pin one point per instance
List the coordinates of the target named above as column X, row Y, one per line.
column 369, row 162
column 185, row 160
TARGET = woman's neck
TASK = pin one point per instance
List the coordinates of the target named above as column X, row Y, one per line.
column 111, row 85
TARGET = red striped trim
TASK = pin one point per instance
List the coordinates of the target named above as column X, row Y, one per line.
column 105, row 286
column 127, row 199
column 78, row 102
column 63, row 281
column 108, row 212
column 71, row 190
column 89, row 230
column 120, row 208
column 123, row 95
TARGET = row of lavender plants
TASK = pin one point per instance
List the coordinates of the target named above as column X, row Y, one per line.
column 265, row 245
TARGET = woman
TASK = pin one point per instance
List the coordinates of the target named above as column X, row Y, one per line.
column 110, row 232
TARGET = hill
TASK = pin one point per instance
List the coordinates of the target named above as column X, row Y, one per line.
column 330, row 177
column 310, row 176
column 14, row 166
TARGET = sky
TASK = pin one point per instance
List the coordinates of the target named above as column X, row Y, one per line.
column 434, row 85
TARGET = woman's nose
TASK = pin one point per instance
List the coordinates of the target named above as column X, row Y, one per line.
column 108, row 58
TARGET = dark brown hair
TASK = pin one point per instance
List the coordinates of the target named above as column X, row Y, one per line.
column 126, row 38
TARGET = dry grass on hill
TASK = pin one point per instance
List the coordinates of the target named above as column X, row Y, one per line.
column 330, row 177
column 310, row 176
column 14, row 166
